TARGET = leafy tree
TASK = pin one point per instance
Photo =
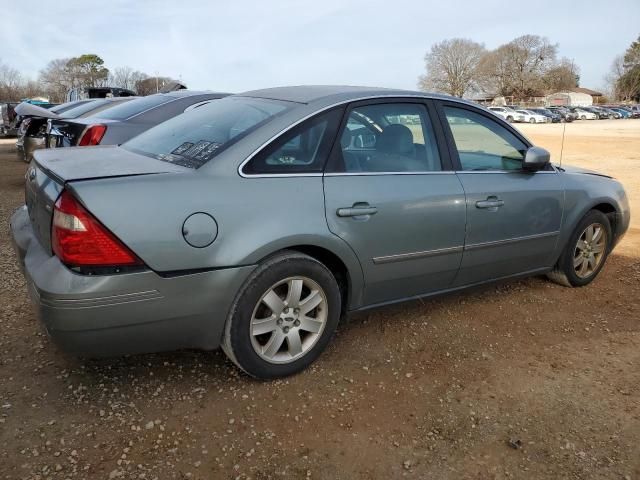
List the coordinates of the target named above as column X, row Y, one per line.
column 451, row 66
column 88, row 70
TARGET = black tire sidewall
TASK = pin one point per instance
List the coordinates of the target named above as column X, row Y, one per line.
column 594, row 216
column 272, row 272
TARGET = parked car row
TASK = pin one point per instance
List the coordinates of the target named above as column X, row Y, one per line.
column 256, row 221
column 554, row 114
column 102, row 121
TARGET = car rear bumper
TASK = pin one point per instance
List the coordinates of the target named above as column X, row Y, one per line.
column 106, row 315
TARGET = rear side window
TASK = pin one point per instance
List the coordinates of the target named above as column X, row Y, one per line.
column 304, row 149
column 134, row 107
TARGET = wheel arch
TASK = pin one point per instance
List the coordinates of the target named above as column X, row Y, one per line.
column 336, row 255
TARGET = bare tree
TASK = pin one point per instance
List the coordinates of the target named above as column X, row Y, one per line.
column 516, row 68
column 564, row 76
column 127, row 77
column 10, row 82
column 56, row 79
column 451, row 66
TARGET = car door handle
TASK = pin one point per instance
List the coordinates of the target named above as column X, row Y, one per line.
column 357, row 210
column 491, row 203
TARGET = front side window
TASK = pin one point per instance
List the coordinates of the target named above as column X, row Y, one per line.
column 389, row 137
column 482, row 143
column 195, row 137
column 304, row 149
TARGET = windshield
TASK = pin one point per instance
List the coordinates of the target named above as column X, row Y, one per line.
column 134, row 107
column 195, row 137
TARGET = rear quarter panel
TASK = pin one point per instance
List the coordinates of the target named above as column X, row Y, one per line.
column 255, row 217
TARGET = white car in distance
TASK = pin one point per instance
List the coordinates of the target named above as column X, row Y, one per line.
column 508, row 114
column 533, row 117
column 585, row 114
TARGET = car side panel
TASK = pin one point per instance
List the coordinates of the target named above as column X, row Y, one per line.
column 582, row 193
column 255, row 218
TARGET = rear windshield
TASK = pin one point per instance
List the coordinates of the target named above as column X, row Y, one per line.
column 195, row 137
column 68, row 106
column 139, row 105
column 75, row 112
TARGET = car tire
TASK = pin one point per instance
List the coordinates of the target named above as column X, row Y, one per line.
column 532, row 120
column 583, row 117
column 569, row 270
column 250, row 328
column 509, row 119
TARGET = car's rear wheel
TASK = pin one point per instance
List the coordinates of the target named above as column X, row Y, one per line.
column 283, row 317
column 585, row 252
column 532, row 120
column 509, row 119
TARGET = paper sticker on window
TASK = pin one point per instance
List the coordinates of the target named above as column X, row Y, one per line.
column 180, row 149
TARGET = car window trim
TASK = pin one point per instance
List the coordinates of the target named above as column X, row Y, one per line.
column 331, row 130
column 432, row 115
column 453, row 150
column 428, row 99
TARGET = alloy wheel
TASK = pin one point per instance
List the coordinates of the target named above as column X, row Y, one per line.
column 590, row 250
column 288, row 320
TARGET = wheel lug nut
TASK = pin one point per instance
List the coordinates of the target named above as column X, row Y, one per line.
column 286, row 329
column 297, row 323
column 279, row 321
column 296, row 310
column 286, row 310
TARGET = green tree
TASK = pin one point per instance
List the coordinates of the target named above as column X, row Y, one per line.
column 88, row 70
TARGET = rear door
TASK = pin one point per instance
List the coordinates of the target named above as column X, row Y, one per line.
column 513, row 215
column 391, row 195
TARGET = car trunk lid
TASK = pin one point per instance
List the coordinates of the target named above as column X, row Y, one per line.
column 52, row 170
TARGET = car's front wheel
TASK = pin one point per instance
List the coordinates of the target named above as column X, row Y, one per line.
column 283, row 317
column 585, row 252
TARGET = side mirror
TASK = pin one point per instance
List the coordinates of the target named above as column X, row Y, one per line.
column 536, row 158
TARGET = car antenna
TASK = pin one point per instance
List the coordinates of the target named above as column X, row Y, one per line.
column 564, row 127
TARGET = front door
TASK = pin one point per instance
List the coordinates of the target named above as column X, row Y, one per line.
column 513, row 215
column 391, row 196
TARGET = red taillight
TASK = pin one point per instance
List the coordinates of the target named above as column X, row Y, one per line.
column 79, row 240
column 92, row 135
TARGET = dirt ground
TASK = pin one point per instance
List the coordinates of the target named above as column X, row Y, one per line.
column 527, row 380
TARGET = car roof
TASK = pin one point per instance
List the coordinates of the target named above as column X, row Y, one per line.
column 190, row 93
column 327, row 94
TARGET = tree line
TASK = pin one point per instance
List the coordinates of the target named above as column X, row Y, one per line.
column 62, row 74
column 521, row 68
column 525, row 67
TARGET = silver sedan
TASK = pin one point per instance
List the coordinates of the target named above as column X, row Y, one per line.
column 259, row 220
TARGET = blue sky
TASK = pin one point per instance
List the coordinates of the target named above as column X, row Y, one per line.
column 242, row 45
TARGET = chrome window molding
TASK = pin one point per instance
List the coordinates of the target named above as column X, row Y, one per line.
column 371, row 174
column 475, row 172
column 306, row 117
